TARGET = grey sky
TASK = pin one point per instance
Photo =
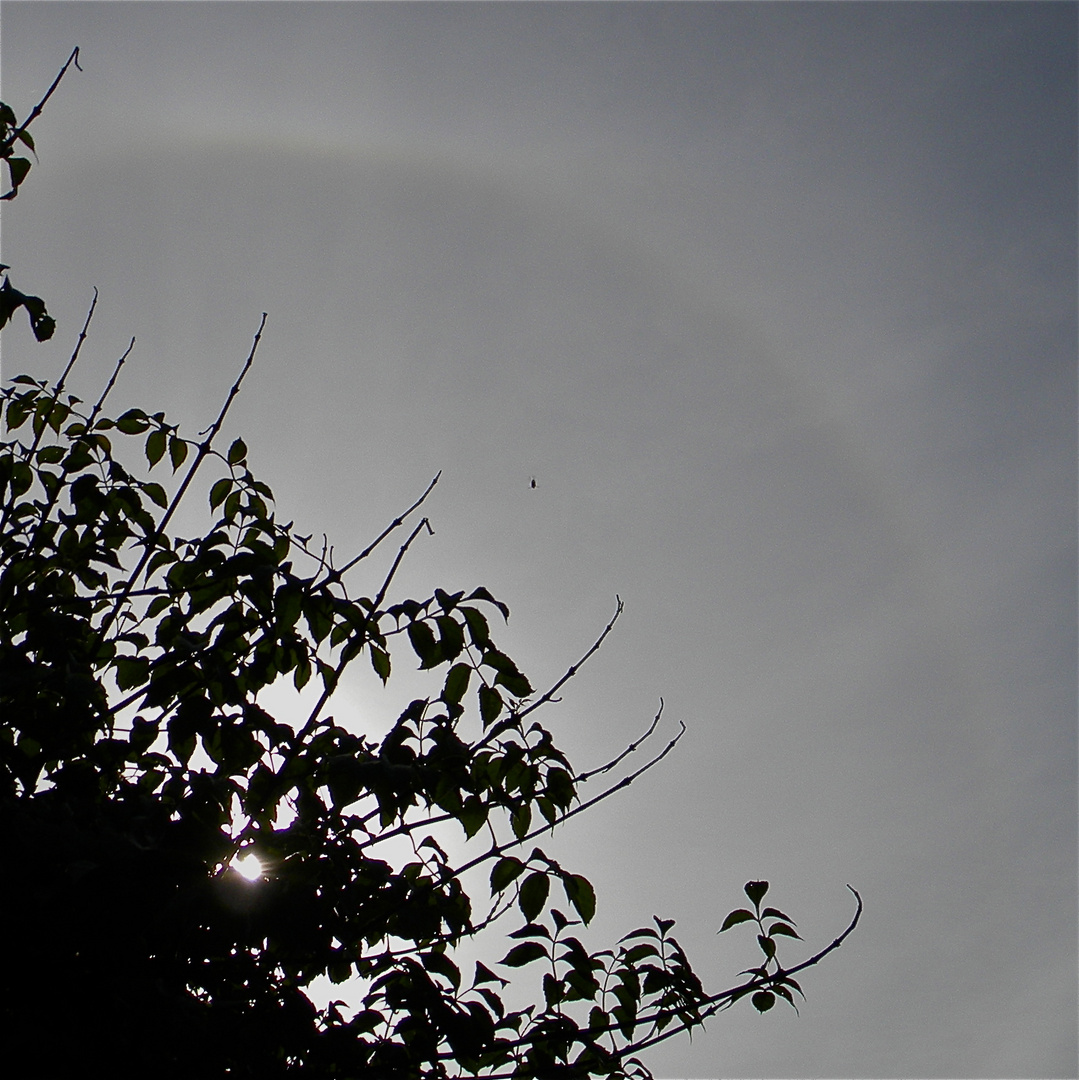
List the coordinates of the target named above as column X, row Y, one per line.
column 778, row 305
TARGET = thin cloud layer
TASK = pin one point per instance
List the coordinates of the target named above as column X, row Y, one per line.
column 777, row 304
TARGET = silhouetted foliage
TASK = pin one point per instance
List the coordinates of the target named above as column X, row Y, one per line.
column 11, row 134
column 138, row 765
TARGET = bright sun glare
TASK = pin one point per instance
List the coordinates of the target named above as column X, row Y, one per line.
column 249, row 866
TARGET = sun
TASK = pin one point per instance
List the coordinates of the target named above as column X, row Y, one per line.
column 248, row 866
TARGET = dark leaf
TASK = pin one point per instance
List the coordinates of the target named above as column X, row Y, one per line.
column 219, row 491
column 177, row 452
column 133, row 422
column 533, row 896
column 553, row 990
column 424, row 645
column 484, row 975
column 775, row 913
column 531, row 930
column 380, row 661
column 482, row 594
column 520, row 820
column 155, row 446
column 156, row 494
column 441, row 964
column 638, row 952
column 505, row 871
column 581, row 895
column 477, row 627
column 456, row 684
column 446, row 601
column 473, row 815
column 784, row 930
column 490, row 704
column 524, row 953
column 755, row 890
column 740, row 915
column 18, row 168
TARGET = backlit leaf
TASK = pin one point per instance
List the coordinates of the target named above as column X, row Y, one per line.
column 490, row 704
column 237, row 452
column 155, row 446
column 784, row 930
column 581, row 895
column 219, row 491
column 755, row 890
column 734, row 918
column 456, row 684
column 177, row 452
column 533, row 895
column 506, row 870
column 763, row 1000
column 523, row 954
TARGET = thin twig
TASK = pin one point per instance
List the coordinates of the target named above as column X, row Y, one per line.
column 423, row 523
column 549, row 695
column 632, row 748
column 78, row 346
column 336, row 575
column 100, row 403
column 575, row 667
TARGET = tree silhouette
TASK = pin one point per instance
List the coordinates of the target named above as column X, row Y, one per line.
column 181, row 866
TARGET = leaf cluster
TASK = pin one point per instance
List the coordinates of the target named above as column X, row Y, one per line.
column 770, row 978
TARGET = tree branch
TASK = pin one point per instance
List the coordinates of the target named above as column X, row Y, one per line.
column 549, row 696
column 624, row 782
column 714, row 1003
column 723, row 1000
column 336, row 575
column 632, row 748
column 204, row 449
column 35, row 112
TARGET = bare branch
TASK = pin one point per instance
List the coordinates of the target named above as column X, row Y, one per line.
column 99, row 404
column 575, row 667
column 336, row 575
column 78, row 347
column 632, row 748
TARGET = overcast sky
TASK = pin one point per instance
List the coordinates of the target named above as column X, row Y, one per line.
column 777, row 303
